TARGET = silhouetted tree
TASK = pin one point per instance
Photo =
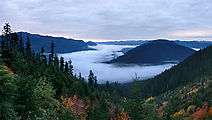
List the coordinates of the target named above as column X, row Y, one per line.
column 66, row 67
column 56, row 61
column 62, row 64
column 51, row 56
column 70, row 71
column 91, row 78
column 42, row 54
column 6, row 48
column 6, row 36
column 95, row 81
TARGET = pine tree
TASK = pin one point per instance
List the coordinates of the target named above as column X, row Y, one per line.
column 15, row 41
column 107, row 85
column 6, row 36
column 136, row 112
column 6, row 39
column 70, row 68
column 21, row 44
column 95, row 81
column 51, row 56
column 42, row 53
column 56, row 62
column 28, row 48
column 66, row 67
column 62, row 64
column 33, row 54
column 8, row 94
column 91, row 78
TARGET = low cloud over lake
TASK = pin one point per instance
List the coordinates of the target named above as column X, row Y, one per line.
column 84, row 61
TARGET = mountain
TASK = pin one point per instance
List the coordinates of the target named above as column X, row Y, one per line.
column 194, row 44
column 155, row 52
column 196, row 67
column 62, row 45
column 129, row 42
column 189, row 44
column 90, row 43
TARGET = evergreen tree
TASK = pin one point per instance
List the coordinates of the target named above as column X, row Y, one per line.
column 107, row 85
column 66, row 67
column 70, row 67
column 21, row 44
column 6, row 48
column 51, row 56
column 33, row 54
column 95, row 81
column 42, row 54
column 6, row 36
column 8, row 94
column 28, row 48
column 15, row 41
column 62, row 64
column 56, row 62
column 91, row 78
column 136, row 111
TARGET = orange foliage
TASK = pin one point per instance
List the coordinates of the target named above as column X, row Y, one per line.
column 200, row 113
column 191, row 107
column 121, row 116
column 193, row 91
column 180, row 113
column 75, row 105
column 149, row 99
column 9, row 71
column 210, row 111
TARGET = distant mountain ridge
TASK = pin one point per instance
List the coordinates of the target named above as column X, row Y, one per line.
column 190, row 44
column 155, row 52
column 62, row 45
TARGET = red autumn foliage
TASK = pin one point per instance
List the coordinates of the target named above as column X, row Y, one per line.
column 201, row 113
column 122, row 116
column 210, row 111
column 75, row 105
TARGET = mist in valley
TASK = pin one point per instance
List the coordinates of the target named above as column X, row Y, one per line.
column 84, row 61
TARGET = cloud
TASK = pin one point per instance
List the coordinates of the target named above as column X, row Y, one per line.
column 192, row 33
column 107, row 20
column 84, row 61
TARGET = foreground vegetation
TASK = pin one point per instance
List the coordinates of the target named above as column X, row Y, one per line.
column 36, row 86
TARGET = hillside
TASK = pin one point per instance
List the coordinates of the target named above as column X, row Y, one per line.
column 155, row 52
column 195, row 67
column 190, row 102
column 63, row 45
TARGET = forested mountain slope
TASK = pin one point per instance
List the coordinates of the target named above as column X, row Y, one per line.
column 155, row 52
column 195, row 67
column 63, row 44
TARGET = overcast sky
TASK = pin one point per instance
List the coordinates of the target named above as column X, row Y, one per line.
column 111, row 19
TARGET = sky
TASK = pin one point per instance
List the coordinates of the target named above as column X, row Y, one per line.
column 105, row 20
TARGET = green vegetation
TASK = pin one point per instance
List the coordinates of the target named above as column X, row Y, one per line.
column 35, row 86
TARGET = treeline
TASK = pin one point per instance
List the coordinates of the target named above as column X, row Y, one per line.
column 36, row 86
column 35, row 90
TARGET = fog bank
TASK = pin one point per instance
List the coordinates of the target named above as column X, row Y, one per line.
column 84, row 61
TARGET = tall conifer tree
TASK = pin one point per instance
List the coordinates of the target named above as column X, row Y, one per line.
column 21, row 44
column 62, row 64
column 51, row 56
column 28, row 48
column 91, row 78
